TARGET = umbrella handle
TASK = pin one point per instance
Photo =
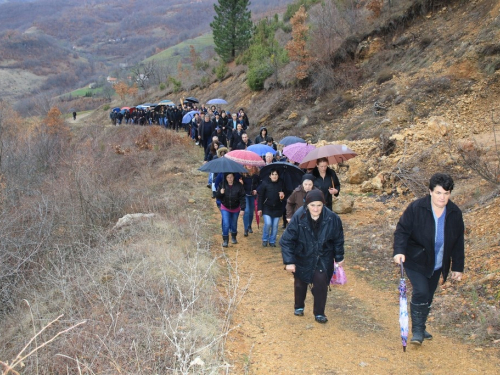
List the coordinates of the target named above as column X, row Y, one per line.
column 402, row 269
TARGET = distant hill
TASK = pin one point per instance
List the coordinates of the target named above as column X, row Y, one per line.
column 69, row 43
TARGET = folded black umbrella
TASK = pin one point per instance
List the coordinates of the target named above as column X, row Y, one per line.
column 289, row 173
column 222, row 165
column 192, row 99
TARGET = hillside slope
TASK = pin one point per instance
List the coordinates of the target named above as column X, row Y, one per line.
column 427, row 88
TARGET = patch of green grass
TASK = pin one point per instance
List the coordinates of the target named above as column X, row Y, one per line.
column 172, row 55
column 84, row 91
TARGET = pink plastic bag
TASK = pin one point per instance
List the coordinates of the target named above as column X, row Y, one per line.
column 339, row 276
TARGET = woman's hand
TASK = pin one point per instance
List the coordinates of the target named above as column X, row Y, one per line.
column 398, row 258
column 222, row 191
column 254, row 192
column 332, row 191
column 290, row 268
column 282, row 195
column 259, row 213
column 456, row 276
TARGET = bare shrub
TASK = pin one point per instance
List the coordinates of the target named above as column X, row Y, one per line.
column 158, row 138
column 384, row 76
column 433, row 85
column 410, row 171
column 482, row 160
column 343, row 77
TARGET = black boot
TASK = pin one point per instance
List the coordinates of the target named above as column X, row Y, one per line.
column 233, row 238
column 418, row 318
column 225, row 241
column 427, row 335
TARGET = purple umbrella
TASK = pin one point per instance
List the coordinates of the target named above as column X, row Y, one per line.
column 297, row 151
column 403, row 308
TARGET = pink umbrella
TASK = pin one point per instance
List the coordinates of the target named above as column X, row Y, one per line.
column 257, row 217
column 334, row 153
column 245, row 157
column 297, row 151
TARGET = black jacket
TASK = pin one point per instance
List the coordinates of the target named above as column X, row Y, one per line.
column 243, row 146
column 233, row 197
column 250, row 183
column 415, row 238
column 235, row 139
column 323, row 184
column 269, row 199
column 300, row 245
column 222, row 137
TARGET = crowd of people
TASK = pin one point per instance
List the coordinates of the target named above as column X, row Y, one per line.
column 313, row 237
column 428, row 241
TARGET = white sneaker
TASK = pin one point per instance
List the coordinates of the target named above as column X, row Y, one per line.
column 197, row 143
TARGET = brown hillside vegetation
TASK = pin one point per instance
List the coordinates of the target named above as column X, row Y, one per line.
column 117, row 231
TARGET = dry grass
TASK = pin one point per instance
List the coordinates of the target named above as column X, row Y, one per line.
column 150, row 293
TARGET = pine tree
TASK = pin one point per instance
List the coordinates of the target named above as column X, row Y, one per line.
column 232, row 28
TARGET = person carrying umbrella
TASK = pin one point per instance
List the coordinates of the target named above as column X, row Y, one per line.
column 429, row 240
column 270, row 206
column 312, row 241
column 326, row 181
column 231, row 193
column 250, row 183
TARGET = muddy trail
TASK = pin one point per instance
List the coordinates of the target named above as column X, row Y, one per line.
column 362, row 334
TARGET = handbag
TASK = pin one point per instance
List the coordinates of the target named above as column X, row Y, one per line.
column 339, row 277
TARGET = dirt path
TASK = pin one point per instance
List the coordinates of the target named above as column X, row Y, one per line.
column 362, row 335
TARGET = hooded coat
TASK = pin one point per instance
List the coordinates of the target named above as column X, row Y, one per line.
column 261, row 138
column 415, row 238
column 308, row 251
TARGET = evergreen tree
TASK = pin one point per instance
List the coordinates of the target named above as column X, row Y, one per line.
column 232, row 28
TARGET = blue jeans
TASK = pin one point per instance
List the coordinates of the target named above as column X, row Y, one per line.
column 270, row 225
column 229, row 222
column 249, row 211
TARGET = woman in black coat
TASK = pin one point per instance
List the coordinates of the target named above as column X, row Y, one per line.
column 314, row 238
column 231, row 194
column 429, row 239
column 270, row 206
column 326, row 181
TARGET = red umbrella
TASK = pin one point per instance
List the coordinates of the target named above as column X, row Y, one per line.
column 245, row 157
column 334, row 153
column 296, row 152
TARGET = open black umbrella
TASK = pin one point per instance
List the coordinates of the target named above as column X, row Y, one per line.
column 192, row 99
column 290, row 140
column 222, row 165
column 289, row 173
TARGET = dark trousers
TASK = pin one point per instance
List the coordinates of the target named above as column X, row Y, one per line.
column 423, row 287
column 319, row 291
